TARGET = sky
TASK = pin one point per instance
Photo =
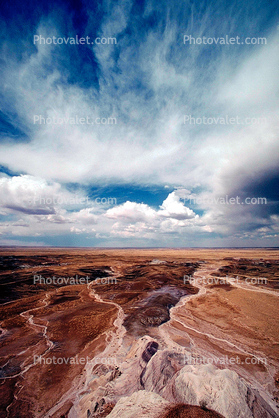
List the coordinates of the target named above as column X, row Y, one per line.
column 159, row 130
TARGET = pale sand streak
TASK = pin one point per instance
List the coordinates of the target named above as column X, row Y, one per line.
column 115, row 345
column 163, row 329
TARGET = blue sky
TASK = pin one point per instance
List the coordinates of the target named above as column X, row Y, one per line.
column 151, row 174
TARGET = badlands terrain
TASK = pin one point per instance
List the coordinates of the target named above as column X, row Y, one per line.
column 139, row 333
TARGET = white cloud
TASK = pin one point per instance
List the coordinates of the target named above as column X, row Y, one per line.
column 34, row 195
column 131, row 211
column 172, row 207
column 150, row 144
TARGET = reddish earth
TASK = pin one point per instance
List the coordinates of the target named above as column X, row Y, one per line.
column 55, row 321
column 189, row 411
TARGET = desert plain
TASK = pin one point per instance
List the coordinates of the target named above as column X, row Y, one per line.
column 148, row 332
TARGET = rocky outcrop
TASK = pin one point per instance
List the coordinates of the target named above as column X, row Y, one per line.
column 204, row 384
column 150, row 405
column 153, row 382
column 161, row 369
column 221, row 390
column 140, row 404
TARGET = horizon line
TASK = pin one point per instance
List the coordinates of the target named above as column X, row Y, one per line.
column 128, row 248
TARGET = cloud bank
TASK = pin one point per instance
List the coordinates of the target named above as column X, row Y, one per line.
column 151, row 84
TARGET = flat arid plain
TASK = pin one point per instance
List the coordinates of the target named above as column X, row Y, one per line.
column 139, row 332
